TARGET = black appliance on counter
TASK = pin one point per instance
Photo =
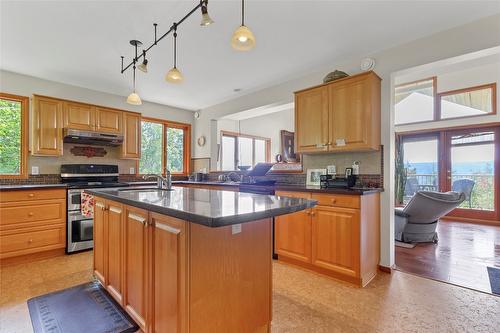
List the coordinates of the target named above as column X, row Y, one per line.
column 329, row 181
column 79, row 177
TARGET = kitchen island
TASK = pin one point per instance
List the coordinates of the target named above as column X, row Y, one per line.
column 189, row 260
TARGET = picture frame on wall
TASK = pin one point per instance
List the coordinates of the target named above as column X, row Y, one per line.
column 288, row 147
column 313, row 176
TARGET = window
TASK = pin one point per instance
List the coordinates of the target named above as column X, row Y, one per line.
column 415, row 101
column 165, row 145
column 474, row 101
column 243, row 150
column 13, row 136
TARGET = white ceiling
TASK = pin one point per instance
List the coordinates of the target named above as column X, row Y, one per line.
column 80, row 42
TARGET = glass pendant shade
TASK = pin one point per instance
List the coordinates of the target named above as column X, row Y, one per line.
column 143, row 67
column 174, row 76
column 243, row 39
column 205, row 18
column 134, row 99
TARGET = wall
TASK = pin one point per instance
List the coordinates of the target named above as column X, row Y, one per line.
column 458, row 78
column 18, row 84
column 472, row 37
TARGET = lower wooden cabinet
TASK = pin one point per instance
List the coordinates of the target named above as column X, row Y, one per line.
column 114, row 258
column 100, row 243
column 339, row 237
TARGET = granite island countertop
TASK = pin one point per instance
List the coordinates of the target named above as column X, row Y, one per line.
column 16, row 187
column 211, row 208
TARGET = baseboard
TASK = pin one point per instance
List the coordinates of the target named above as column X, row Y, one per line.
column 470, row 220
column 385, row 269
column 31, row 257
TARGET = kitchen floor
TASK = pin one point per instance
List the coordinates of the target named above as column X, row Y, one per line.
column 302, row 301
column 461, row 256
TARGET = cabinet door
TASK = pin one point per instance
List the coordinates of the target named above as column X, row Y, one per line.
column 100, row 216
column 136, row 264
column 169, row 274
column 114, row 253
column 292, row 235
column 108, row 120
column 47, row 127
column 335, row 239
column 311, row 120
column 79, row 116
column 352, row 124
column 131, row 147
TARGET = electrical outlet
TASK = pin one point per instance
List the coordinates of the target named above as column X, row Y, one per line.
column 236, row 229
column 132, row 171
column 35, row 170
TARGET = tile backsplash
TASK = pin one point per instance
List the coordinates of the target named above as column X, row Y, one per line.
column 370, row 163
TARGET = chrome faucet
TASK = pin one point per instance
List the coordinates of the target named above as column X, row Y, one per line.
column 164, row 183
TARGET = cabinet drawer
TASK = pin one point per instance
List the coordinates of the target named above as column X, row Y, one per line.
column 19, row 213
column 337, row 200
column 32, row 241
column 22, row 195
column 292, row 194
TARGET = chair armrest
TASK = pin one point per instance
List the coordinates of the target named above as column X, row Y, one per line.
column 399, row 212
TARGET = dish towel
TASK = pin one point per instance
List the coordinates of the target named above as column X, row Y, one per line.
column 87, row 205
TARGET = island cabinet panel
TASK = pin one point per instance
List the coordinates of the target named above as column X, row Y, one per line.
column 170, row 268
column 311, row 120
column 100, row 244
column 136, row 265
column 114, row 255
column 131, row 147
column 47, row 127
column 342, row 236
column 108, row 120
column 79, row 116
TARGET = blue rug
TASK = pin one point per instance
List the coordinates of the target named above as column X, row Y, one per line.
column 87, row 308
column 494, row 274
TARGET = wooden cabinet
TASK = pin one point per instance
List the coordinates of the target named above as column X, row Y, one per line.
column 108, row 120
column 47, row 127
column 114, row 247
column 100, row 244
column 131, row 148
column 136, row 265
column 79, row 116
column 339, row 237
column 32, row 222
column 343, row 115
column 170, row 254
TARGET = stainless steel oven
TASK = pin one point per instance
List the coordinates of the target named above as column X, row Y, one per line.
column 80, row 228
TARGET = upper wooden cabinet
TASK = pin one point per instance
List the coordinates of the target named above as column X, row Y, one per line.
column 343, row 115
column 47, row 127
column 131, row 148
column 79, row 116
column 108, row 120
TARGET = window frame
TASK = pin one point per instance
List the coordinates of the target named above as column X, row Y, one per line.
column 186, row 166
column 24, row 100
column 492, row 86
column 236, row 149
column 435, row 105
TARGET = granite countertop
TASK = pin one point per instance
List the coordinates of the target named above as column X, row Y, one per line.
column 11, row 187
column 318, row 189
column 206, row 182
column 211, row 208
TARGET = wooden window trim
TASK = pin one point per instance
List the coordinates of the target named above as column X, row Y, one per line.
column 187, row 145
column 492, row 86
column 249, row 136
column 24, row 134
column 434, row 96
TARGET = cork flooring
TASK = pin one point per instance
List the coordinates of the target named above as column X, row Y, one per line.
column 302, row 301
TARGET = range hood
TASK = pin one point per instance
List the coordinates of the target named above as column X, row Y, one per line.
column 92, row 138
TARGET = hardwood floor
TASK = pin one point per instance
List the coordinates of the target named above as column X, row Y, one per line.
column 460, row 257
column 302, row 301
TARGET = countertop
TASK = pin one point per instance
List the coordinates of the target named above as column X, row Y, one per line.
column 12, row 187
column 211, row 208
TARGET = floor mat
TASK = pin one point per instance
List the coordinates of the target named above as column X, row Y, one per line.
column 494, row 274
column 81, row 309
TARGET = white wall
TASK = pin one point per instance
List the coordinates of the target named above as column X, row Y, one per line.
column 458, row 78
column 472, row 37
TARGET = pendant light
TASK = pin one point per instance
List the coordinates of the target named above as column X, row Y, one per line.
column 144, row 66
column 133, row 98
column 243, row 38
column 205, row 18
column 174, row 75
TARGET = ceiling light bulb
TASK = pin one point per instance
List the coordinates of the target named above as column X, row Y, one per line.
column 174, row 76
column 144, row 66
column 205, row 18
column 243, row 39
column 134, row 99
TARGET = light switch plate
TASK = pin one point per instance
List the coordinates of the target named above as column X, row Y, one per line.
column 235, row 229
column 35, row 170
column 132, row 171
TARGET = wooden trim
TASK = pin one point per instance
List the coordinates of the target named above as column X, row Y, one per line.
column 229, row 133
column 385, row 269
column 439, row 129
column 340, row 80
column 237, row 135
column 26, row 258
column 433, row 78
column 435, row 111
column 23, row 174
column 471, row 220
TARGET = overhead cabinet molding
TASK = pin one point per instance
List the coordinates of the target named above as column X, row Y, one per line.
column 343, row 115
column 51, row 115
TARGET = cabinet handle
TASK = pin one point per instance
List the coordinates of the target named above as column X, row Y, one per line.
column 99, row 205
column 334, row 201
column 312, row 213
column 167, row 228
column 115, row 210
column 137, row 218
column 31, row 195
column 30, row 241
column 30, row 214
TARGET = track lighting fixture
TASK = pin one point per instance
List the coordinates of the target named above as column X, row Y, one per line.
column 144, row 66
column 243, row 38
column 134, row 98
column 205, row 18
column 174, row 75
